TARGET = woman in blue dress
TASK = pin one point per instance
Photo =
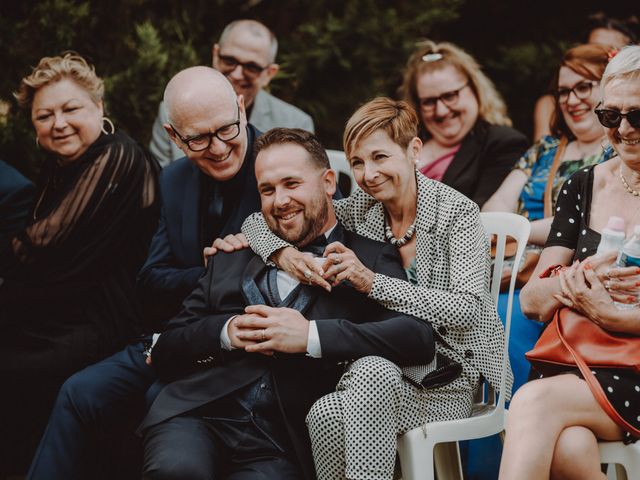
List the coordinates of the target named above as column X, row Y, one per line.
column 577, row 142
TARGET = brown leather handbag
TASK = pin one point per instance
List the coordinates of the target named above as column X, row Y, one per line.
column 572, row 340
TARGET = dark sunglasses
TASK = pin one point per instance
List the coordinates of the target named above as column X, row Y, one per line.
column 612, row 118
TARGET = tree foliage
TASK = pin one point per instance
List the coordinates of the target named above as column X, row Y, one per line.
column 334, row 54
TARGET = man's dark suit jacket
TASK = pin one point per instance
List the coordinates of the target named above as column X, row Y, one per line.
column 175, row 261
column 486, row 156
column 350, row 326
column 16, row 196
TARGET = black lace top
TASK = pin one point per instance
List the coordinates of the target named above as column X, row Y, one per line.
column 68, row 294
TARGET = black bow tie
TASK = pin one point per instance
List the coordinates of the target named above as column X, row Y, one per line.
column 316, row 246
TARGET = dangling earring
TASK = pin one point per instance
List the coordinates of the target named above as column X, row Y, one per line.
column 37, row 143
column 110, row 123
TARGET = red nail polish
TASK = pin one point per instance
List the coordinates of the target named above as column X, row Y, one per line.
column 638, row 270
column 587, row 266
column 637, row 284
column 631, row 298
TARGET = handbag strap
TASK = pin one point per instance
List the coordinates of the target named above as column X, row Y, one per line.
column 594, row 386
column 548, row 189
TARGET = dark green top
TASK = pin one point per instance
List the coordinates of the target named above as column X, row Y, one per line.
column 412, row 274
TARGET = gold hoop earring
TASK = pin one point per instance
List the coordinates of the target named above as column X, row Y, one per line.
column 110, row 123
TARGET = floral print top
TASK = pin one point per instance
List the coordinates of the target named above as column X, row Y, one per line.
column 536, row 164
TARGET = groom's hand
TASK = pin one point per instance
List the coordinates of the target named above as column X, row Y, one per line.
column 273, row 329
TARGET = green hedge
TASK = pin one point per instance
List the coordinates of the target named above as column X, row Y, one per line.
column 334, row 54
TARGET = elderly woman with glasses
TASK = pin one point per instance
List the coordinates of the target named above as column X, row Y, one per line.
column 468, row 140
column 554, row 422
column 68, row 295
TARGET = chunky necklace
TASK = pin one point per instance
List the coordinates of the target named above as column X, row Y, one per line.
column 626, row 185
column 398, row 242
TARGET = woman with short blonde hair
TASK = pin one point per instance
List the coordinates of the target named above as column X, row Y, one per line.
column 68, row 297
column 444, row 251
column 52, row 69
column 555, row 422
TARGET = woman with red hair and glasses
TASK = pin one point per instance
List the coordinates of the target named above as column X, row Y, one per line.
column 577, row 142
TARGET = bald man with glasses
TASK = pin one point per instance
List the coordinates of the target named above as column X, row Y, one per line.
column 206, row 194
column 245, row 54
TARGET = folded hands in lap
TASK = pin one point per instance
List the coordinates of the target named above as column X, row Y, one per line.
column 592, row 286
column 266, row 330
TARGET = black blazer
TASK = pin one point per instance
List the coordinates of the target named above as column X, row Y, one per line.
column 486, row 156
column 175, row 262
column 350, row 326
column 16, row 196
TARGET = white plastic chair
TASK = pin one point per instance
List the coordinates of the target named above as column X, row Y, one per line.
column 625, row 457
column 438, row 441
column 339, row 163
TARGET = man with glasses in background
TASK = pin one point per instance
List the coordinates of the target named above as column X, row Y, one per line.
column 206, row 194
column 245, row 54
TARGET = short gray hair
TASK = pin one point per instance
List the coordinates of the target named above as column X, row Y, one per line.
column 625, row 64
column 256, row 29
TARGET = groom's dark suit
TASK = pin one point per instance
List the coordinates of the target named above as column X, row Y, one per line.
column 350, row 326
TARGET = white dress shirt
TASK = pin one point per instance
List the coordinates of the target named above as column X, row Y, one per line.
column 286, row 283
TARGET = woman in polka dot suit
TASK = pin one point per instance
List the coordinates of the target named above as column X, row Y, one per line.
column 438, row 233
column 554, row 422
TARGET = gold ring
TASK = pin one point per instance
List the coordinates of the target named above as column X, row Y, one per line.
column 262, row 335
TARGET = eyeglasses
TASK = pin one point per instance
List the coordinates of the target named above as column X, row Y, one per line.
column 613, row 118
column 249, row 69
column 201, row 142
column 448, row 98
column 582, row 90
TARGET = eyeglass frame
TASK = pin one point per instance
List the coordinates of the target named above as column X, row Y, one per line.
column 440, row 98
column 601, row 111
column 186, row 140
column 249, row 69
column 569, row 91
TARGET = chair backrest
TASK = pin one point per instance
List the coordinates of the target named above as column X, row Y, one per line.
column 503, row 225
column 339, row 163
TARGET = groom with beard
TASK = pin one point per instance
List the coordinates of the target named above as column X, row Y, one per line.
column 253, row 349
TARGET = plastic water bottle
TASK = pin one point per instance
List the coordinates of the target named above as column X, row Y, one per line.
column 629, row 256
column 612, row 238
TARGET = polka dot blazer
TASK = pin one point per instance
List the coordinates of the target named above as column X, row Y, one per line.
column 453, row 266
